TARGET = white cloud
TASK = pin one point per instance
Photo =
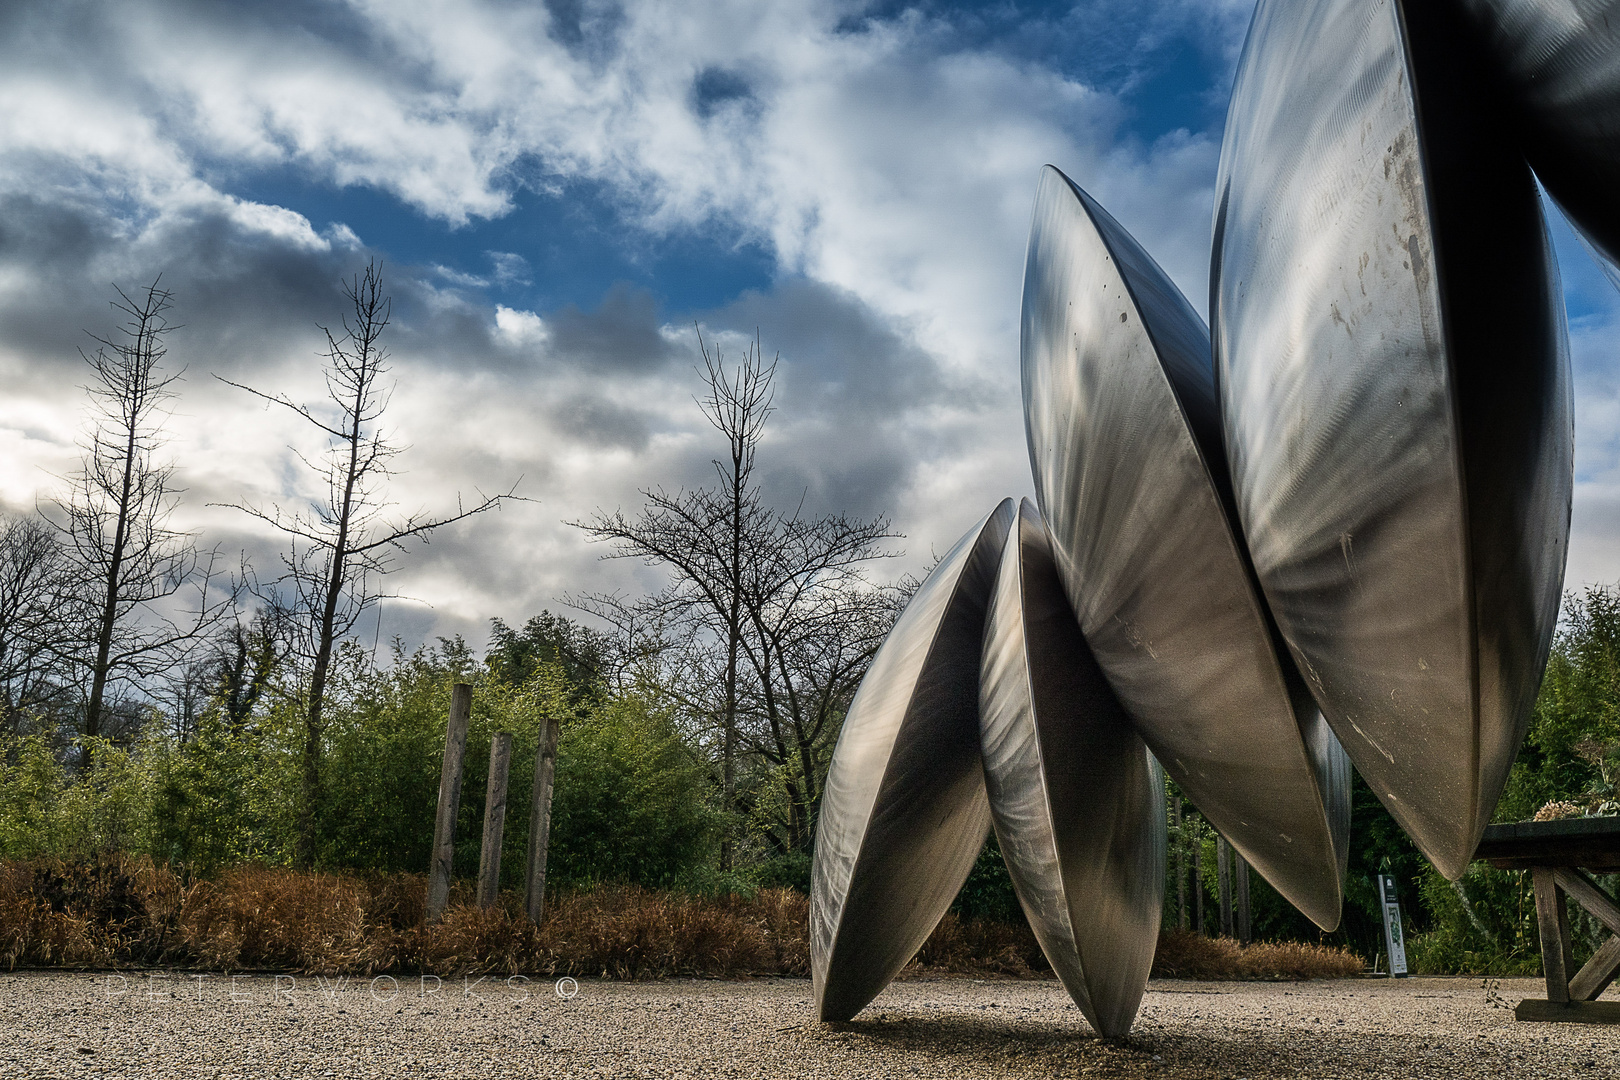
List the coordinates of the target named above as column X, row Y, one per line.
column 519, row 328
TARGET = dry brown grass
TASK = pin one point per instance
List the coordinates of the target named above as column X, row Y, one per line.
column 121, row 911
column 1185, row 955
column 979, row 947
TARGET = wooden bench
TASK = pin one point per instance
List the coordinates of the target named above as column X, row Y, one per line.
column 1560, row 855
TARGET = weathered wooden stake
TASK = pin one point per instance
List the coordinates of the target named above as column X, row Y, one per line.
column 489, row 859
column 444, row 823
column 545, row 770
column 1223, row 876
column 1241, row 866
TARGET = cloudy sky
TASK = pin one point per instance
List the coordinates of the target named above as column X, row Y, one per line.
column 559, row 191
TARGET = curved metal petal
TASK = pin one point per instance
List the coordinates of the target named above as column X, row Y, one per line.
column 1078, row 801
column 1124, row 440
column 903, row 813
column 1390, row 352
column 1560, row 60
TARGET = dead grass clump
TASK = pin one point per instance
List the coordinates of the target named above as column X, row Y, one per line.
column 1297, row 960
column 627, row 932
column 470, row 940
column 1186, row 955
column 785, row 917
column 979, row 947
column 271, row 917
column 103, row 912
column 1183, row 954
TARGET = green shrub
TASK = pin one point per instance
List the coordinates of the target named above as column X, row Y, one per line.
column 631, row 799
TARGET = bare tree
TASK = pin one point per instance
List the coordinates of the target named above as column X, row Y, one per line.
column 816, row 622
column 744, row 579
column 342, row 543
column 31, row 578
column 123, row 560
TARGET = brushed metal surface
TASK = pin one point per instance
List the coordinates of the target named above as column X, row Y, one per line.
column 1124, row 441
column 1560, row 62
column 1077, row 800
column 1390, row 352
column 904, row 813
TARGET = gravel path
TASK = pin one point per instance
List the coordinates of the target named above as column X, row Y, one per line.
column 81, row 1025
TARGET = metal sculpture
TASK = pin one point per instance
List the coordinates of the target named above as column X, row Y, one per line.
column 1125, row 445
column 1357, row 491
column 1560, row 67
column 1076, row 797
column 1389, row 343
column 904, row 812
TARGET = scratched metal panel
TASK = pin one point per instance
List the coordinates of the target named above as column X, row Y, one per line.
column 1124, row 440
column 1078, row 801
column 1390, row 351
column 903, row 813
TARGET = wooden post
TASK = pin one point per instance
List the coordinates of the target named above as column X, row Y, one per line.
column 1241, row 865
column 1181, row 861
column 1223, row 876
column 489, row 859
column 1198, row 883
column 1552, row 918
column 545, row 770
column 444, row 823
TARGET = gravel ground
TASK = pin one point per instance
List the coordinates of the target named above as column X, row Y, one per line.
column 82, row 1025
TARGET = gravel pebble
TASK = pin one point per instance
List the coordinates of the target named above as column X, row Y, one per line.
column 139, row 1026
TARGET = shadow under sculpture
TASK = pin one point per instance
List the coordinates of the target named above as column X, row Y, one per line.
column 1076, row 798
column 1124, row 436
column 1390, row 351
column 904, row 812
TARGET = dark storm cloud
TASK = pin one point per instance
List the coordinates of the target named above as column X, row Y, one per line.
column 850, row 389
column 601, row 423
column 240, row 300
column 840, row 354
column 621, row 335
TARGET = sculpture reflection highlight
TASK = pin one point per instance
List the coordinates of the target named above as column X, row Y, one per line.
column 1125, row 445
column 1395, row 396
column 903, row 812
column 1076, row 798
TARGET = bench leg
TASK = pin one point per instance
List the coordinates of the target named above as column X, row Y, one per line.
column 1598, row 973
column 1552, row 919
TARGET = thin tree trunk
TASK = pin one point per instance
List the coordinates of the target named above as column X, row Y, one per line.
column 1198, row 884
column 314, row 726
column 115, row 570
column 1241, row 869
column 1223, row 877
column 1181, row 862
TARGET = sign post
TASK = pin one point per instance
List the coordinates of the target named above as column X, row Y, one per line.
column 1394, row 939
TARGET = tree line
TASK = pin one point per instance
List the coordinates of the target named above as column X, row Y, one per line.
column 120, row 635
column 157, row 700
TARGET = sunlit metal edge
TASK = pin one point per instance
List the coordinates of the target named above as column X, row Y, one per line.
column 1153, row 567
column 1509, row 533
column 1076, row 798
column 904, row 812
